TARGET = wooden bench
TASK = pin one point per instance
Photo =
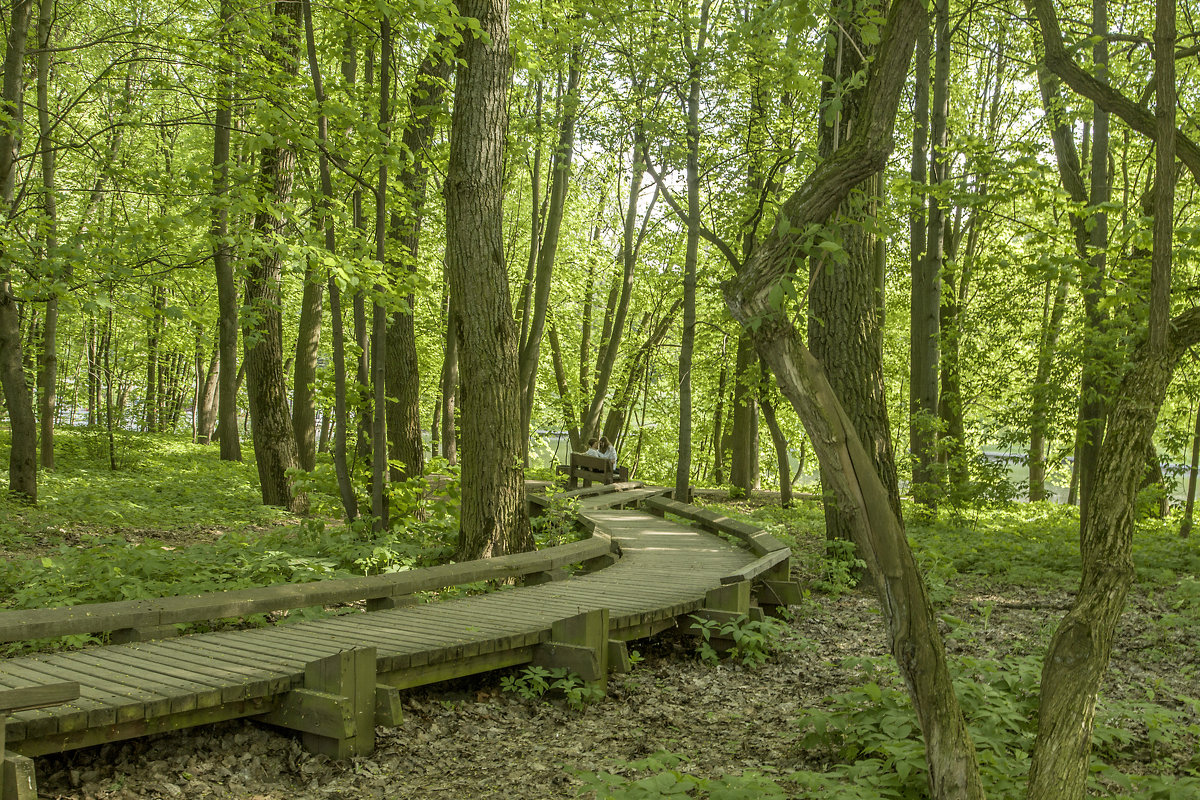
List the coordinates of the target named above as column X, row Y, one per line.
column 583, row 467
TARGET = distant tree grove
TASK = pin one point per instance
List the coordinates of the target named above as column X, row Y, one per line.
column 889, row 236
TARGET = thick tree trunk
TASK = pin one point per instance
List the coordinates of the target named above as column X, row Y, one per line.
column 844, row 300
column 274, row 442
column 493, row 519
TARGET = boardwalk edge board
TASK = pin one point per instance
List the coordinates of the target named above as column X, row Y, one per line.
column 334, row 680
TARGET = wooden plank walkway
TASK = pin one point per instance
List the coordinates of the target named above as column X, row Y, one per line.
column 665, row 569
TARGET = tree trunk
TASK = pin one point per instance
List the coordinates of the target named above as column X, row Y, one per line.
column 48, row 375
column 345, row 488
column 154, row 327
column 1039, row 412
column 844, row 301
column 274, row 442
column 927, row 285
column 719, row 416
column 493, row 518
column 915, row 641
column 206, row 415
column 450, row 387
column 404, row 412
column 1185, row 527
column 614, row 322
column 227, row 300
column 559, row 183
column 22, row 459
column 308, row 342
column 379, row 340
column 782, row 462
column 695, row 58
column 743, row 471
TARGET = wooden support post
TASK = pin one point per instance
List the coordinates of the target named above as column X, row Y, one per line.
column 388, row 711
column 335, row 710
column 775, row 589
column 393, row 601
column 579, row 643
column 545, row 576
column 618, row 657
column 733, row 597
column 145, row 634
column 17, row 778
column 599, row 563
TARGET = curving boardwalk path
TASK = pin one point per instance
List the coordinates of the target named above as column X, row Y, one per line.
column 334, row 679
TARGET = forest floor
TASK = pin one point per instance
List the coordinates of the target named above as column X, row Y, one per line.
column 801, row 720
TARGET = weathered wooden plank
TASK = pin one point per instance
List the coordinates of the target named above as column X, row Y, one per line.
column 236, row 680
column 73, row 740
column 120, row 699
column 420, row 676
column 759, row 566
column 37, row 696
column 95, row 704
column 206, row 689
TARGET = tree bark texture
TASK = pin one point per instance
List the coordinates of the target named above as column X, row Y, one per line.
column 754, row 300
column 494, row 520
column 844, row 319
column 262, row 325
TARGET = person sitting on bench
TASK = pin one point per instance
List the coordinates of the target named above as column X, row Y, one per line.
column 605, row 450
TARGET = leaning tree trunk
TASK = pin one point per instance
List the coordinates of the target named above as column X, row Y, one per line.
column 274, row 444
column 493, row 518
column 753, row 299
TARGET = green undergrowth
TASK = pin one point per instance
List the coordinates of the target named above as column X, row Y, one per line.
column 1143, row 748
column 163, row 483
column 180, row 521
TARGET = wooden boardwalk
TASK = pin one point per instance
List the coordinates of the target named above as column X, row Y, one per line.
column 334, row 679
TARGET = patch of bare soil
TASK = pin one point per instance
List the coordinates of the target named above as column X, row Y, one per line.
column 468, row 739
